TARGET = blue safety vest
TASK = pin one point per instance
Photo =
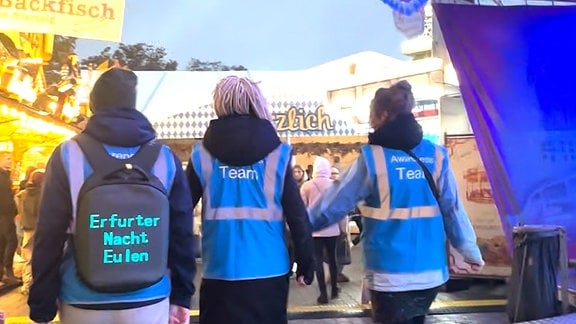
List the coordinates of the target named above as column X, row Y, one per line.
column 242, row 216
column 403, row 225
column 73, row 290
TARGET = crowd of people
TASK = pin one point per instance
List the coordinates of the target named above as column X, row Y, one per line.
column 113, row 237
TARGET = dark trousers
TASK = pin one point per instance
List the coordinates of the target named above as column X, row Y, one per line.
column 358, row 220
column 402, row 307
column 328, row 245
column 8, row 244
column 244, row 301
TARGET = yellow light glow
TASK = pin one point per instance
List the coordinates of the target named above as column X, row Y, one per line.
column 28, row 123
column 52, row 106
column 13, row 113
column 31, row 60
column 70, row 111
column 33, row 124
column 22, row 86
column 6, row 147
column 23, row 120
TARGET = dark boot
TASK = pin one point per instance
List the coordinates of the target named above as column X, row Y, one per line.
column 323, row 298
column 343, row 278
column 335, row 292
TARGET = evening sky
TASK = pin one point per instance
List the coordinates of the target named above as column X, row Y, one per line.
column 259, row 34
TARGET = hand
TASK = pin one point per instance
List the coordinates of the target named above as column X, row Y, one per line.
column 305, row 275
column 475, row 267
column 179, row 315
column 457, row 264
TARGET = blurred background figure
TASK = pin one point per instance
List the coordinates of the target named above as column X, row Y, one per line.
column 325, row 239
column 334, row 173
column 299, row 175
column 27, row 175
column 309, row 171
column 344, row 234
column 28, row 201
column 336, row 163
column 8, row 210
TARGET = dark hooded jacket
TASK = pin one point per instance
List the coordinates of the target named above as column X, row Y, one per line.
column 121, row 126
column 7, row 204
column 28, row 202
column 244, row 140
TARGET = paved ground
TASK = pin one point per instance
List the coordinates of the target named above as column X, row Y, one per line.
column 485, row 318
column 348, row 310
column 303, row 308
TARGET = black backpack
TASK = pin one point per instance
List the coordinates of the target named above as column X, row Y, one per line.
column 122, row 220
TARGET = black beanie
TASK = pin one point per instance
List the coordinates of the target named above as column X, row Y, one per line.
column 115, row 88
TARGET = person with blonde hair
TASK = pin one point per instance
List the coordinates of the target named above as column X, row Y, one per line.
column 242, row 172
column 410, row 206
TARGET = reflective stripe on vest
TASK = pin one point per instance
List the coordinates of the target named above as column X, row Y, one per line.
column 78, row 169
column 241, row 208
column 275, row 161
column 376, row 164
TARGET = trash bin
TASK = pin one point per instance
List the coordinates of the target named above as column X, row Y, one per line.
column 539, row 254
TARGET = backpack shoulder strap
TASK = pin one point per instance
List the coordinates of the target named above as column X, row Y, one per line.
column 95, row 153
column 147, row 155
column 427, row 174
column 99, row 158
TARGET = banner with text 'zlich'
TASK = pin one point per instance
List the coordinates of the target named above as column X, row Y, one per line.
column 516, row 76
column 91, row 19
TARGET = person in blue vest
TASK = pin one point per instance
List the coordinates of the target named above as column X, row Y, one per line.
column 57, row 287
column 242, row 172
column 405, row 225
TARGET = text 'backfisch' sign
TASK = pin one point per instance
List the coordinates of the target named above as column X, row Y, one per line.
column 90, row 19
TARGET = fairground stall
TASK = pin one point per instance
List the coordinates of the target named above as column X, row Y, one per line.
column 39, row 80
column 29, row 127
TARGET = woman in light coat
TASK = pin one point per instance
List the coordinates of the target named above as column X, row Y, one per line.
column 324, row 239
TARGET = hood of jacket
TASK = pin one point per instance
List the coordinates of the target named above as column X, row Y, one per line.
column 123, row 127
column 240, row 140
column 402, row 133
column 321, row 168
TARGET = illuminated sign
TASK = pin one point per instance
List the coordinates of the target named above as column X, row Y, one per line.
column 121, row 248
column 309, row 118
column 297, row 119
column 100, row 20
